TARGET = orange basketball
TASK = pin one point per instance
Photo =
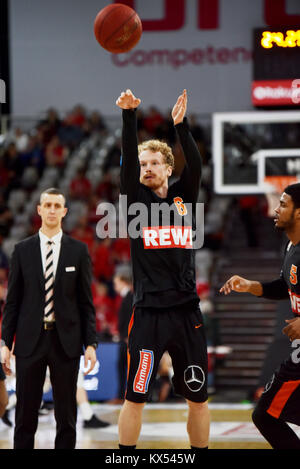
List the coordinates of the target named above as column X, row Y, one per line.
column 117, row 28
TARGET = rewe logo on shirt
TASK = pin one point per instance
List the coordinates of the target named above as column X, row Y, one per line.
column 160, row 237
column 295, row 302
column 160, row 225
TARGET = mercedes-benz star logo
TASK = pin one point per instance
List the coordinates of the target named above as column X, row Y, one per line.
column 194, row 377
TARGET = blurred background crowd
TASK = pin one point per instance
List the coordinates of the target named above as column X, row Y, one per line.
column 50, row 148
column 80, row 153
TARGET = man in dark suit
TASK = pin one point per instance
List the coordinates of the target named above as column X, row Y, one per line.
column 50, row 313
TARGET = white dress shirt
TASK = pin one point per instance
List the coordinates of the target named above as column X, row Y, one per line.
column 55, row 247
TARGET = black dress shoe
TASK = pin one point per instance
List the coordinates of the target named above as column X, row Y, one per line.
column 5, row 419
column 94, row 422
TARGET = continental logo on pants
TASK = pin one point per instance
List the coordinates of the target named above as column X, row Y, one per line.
column 162, row 237
column 143, row 375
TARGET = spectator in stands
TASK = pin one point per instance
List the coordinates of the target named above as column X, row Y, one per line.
column 56, row 153
column 3, row 285
column 120, row 250
column 50, row 125
column 72, row 130
column 4, row 262
column 106, row 318
column 4, row 173
column 6, row 217
column 77, row 117
column 93, row 203
column 80, row 186
column 33, row 155
column 85, row 233
column 152, row 120
column 105, row 189
column 103, row 266
column 34, row 225
column 113, row 157
column 13, row 165
column 95, row 123
column 20, row 138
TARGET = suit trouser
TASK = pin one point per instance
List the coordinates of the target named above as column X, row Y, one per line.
column 30, row 377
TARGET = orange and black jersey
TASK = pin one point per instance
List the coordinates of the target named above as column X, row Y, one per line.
column 280, row 398
column 163, row 260
column 288, row 284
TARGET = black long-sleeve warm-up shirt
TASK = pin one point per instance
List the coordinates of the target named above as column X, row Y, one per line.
column 163, row 258
column 287, row 285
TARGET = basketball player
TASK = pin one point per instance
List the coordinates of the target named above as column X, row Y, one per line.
column 279, row 402
column 166, row 305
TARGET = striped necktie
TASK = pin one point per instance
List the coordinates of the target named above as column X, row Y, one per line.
column 49, row 283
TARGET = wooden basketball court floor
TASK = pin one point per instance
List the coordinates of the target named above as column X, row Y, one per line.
column 164, row 427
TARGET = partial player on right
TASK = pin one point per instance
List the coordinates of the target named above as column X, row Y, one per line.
column 279, row 402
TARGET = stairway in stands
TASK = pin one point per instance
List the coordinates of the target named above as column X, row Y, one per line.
column 246, row 323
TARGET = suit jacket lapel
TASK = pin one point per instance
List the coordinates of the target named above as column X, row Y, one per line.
column 38, row 256
column 62, row 258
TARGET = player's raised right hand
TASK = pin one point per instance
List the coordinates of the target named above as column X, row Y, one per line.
column 127, row 100
column 179, row 110
column 236, row 283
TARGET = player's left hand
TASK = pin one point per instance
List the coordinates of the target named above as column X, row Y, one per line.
column 292, row 330
column 179, row 110
column 89, row 356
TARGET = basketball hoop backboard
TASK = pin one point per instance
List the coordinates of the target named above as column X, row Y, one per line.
column 250, row 147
